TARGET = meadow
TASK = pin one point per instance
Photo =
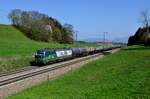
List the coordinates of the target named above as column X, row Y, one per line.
column 122, row 75
column 16, row 50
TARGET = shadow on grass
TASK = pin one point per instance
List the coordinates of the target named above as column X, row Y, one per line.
column 137, row 48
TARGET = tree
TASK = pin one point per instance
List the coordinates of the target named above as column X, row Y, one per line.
column 14, row 16
column 145, row 19
column 41, row 27
column 142, row 36
column 25, row 19
column 39, row 31
column 68, row 33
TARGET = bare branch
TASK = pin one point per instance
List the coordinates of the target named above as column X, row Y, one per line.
column 145, row 18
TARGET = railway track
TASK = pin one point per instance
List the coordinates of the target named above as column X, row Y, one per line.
column 19, row 74
column 17, row 70
column 13, row 76
column 22, row 70
column 13, row 82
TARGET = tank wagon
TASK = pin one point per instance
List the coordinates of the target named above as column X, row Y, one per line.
column 78, row 51
column 48, row 55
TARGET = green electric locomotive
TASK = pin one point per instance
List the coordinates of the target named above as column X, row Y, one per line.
column 44, row 56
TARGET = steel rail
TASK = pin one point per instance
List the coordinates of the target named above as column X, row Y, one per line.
column 17, row 71
column 27, row 75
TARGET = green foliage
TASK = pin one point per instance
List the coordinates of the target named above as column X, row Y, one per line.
column 16, row 50
column 123, row 75
column 41, row 27
column 68, row 33
column 140, row 37
column 13, row 42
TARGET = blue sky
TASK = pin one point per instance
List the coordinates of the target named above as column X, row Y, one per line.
column 120, row 18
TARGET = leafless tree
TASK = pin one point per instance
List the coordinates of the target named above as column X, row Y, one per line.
column 14, row 16
column 145, row 19
column 69, row 32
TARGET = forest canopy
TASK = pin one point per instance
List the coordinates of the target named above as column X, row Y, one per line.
column 41, row 27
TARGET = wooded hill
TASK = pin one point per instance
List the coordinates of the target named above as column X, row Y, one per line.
column 142, row 36
column 41, row 27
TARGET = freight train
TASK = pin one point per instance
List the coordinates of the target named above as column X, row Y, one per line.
column 49, row 55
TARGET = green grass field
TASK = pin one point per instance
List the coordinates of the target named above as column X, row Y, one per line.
column 13, row 42
column 122, row 75
column 16, row 50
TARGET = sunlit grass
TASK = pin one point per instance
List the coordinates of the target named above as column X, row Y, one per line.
column 16, row 50
column 122, row 75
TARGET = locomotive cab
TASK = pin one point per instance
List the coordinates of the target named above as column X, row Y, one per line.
column 44, row 56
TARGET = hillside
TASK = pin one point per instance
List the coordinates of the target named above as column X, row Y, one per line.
column 16, row 50
column 13, row 42
column 124, row 74
column 142, row 36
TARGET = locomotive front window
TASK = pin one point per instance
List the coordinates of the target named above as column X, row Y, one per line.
column 40, row 54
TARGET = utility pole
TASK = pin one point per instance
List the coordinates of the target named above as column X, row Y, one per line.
column 76, row 35
column 104, row 36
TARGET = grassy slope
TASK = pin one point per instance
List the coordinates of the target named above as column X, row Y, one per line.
column 13, row 42
column 16, row 50
column 125, row 74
